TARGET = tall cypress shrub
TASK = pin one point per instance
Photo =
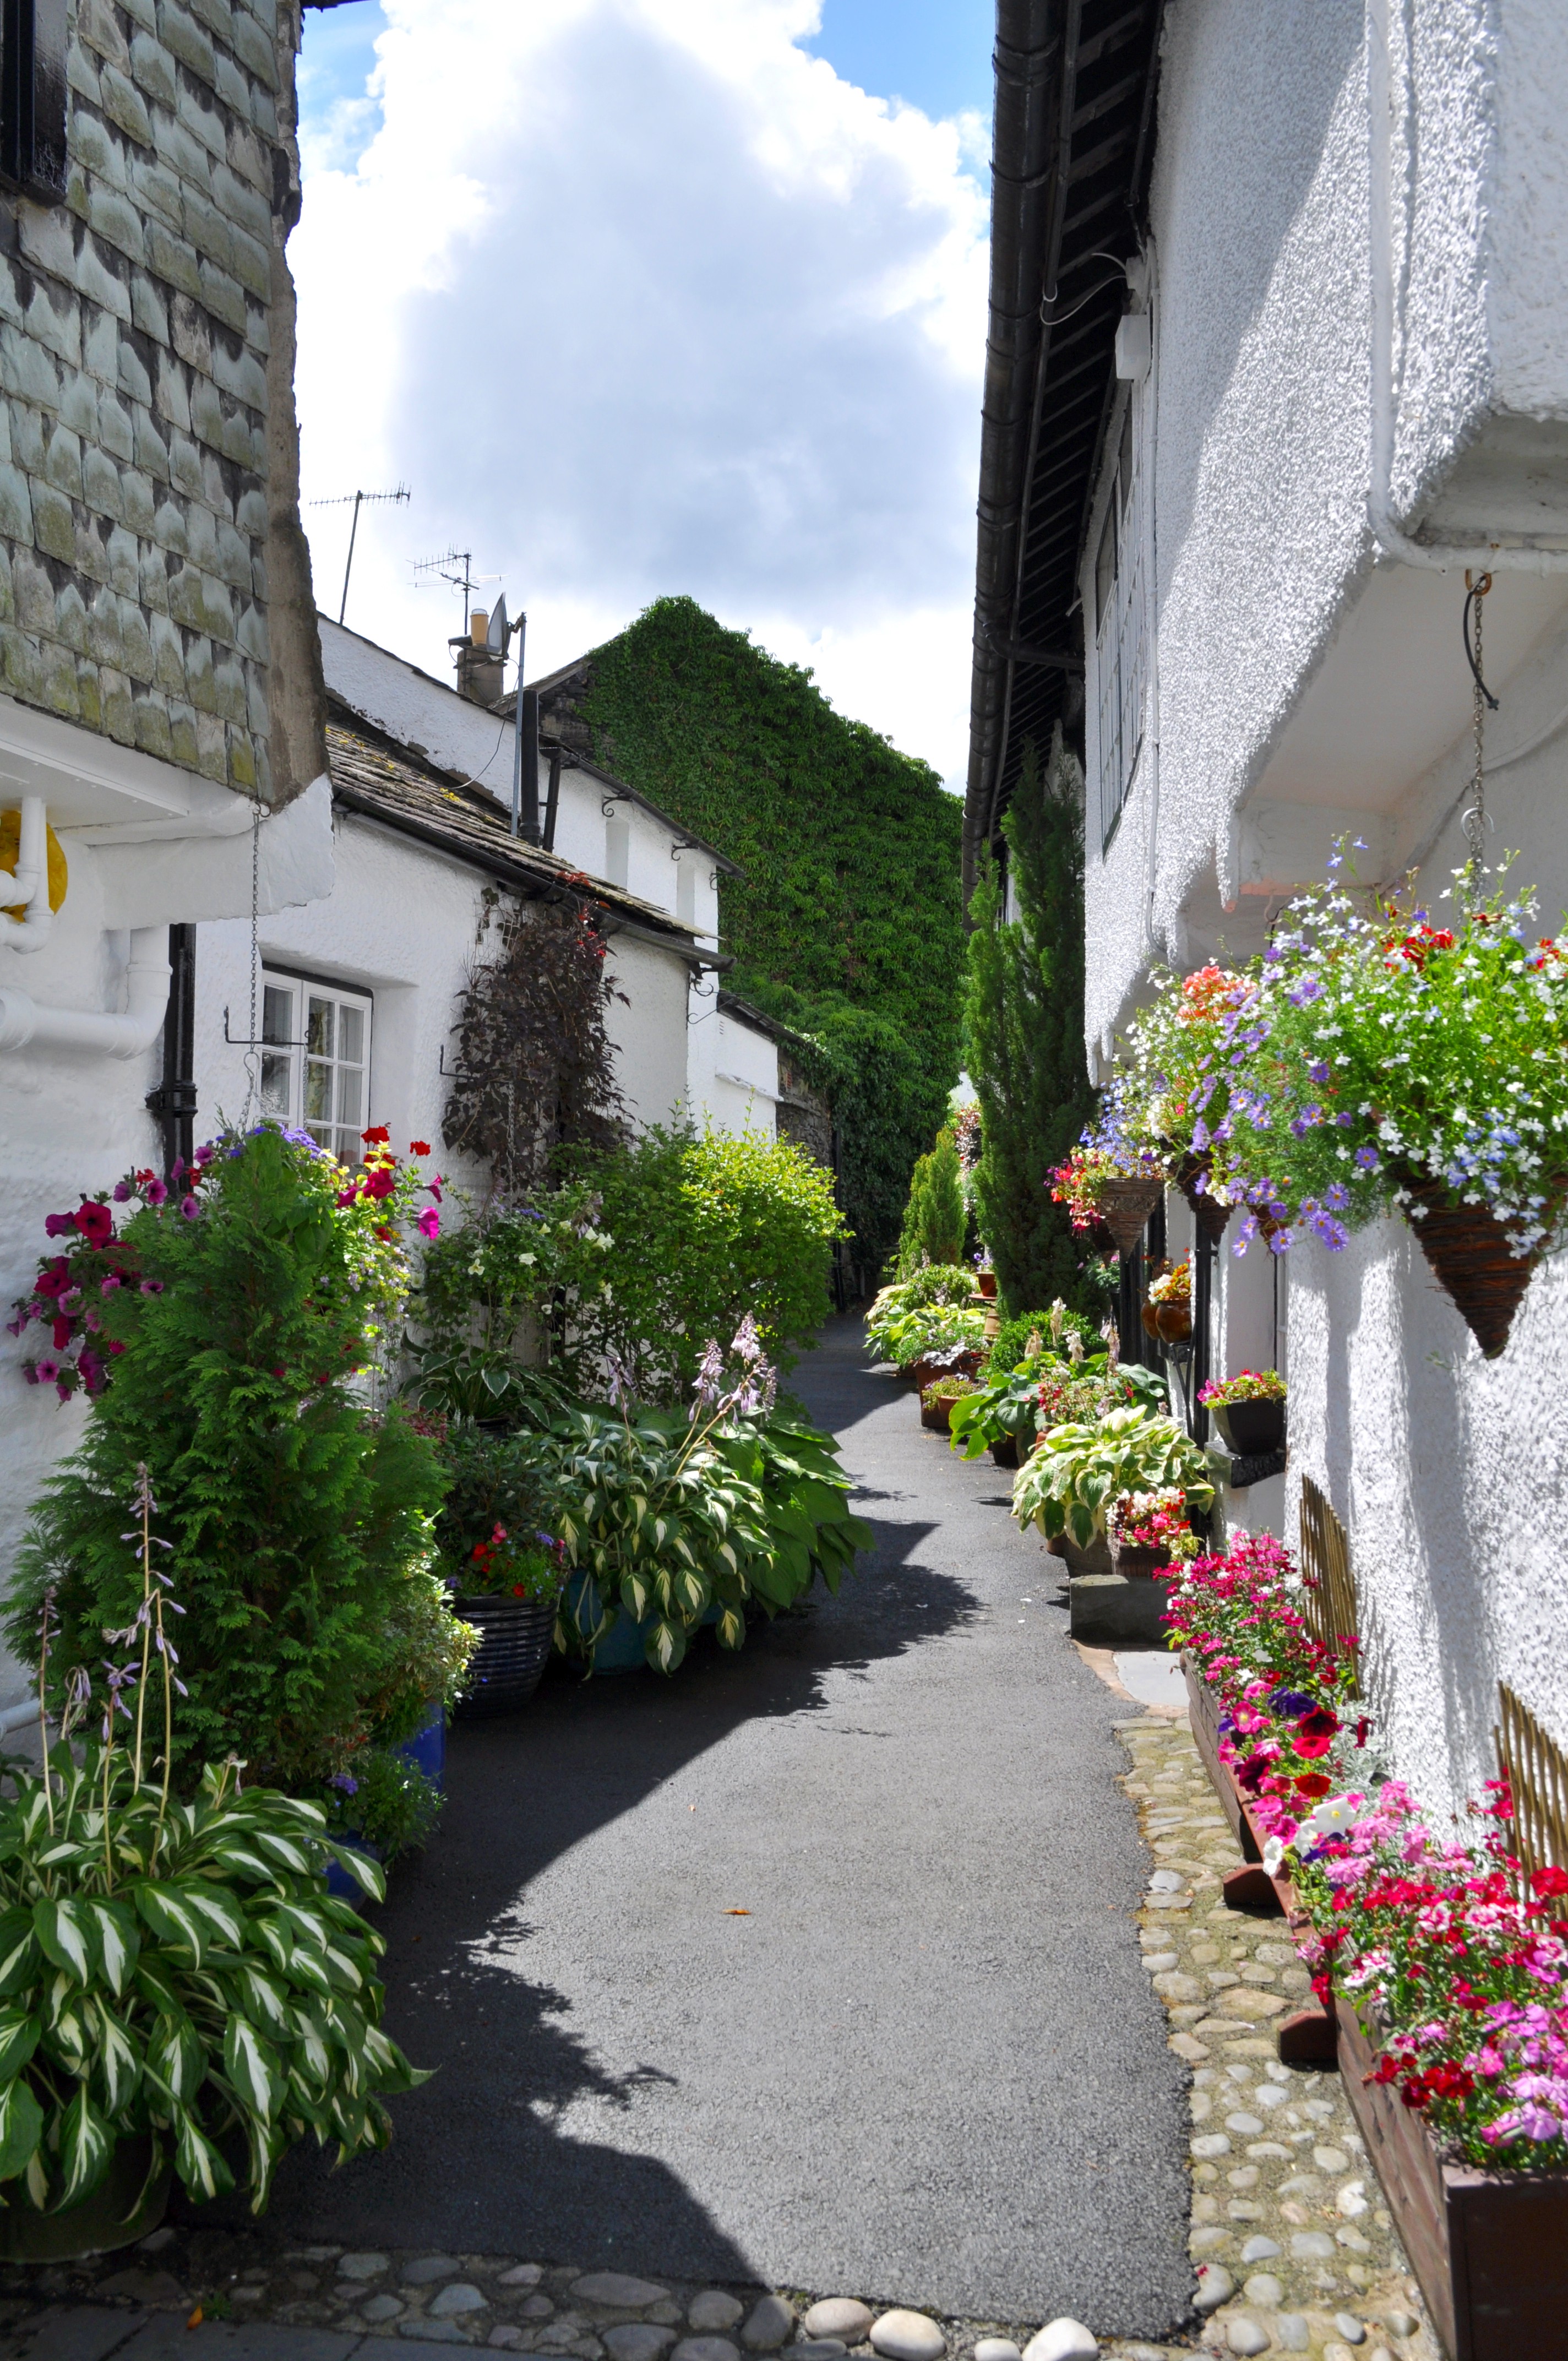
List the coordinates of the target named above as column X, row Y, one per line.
column 1024, row 1036
column 935, row 1217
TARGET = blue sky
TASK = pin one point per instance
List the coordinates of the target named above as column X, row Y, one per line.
column 652, row 297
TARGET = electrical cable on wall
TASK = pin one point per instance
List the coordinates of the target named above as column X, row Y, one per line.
column 1474, row 820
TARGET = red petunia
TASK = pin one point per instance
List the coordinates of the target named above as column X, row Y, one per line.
column 377, row 1137
column 419, row 1147
column 1312, row 1783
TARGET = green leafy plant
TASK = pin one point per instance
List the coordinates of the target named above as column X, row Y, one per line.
column 926, row 1330
column 681, row 1518
column 1250, row 1385
column 173, row 1969
column 940, row 1301
column 1075, row 1474
column 1022, row 1032
column 1082, row 1390
column 847, row 923
column 935, row 1217
column 1056, row 1329
column 508, row 1564
column 952, row 1388
column 383, row 1800
column 299, row 1522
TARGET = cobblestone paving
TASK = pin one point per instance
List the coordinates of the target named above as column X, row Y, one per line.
column 1294, row 2247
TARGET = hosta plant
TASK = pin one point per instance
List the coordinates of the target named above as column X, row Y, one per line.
column 174, row 1970
column 1075, row 1474
column 1046, row 1390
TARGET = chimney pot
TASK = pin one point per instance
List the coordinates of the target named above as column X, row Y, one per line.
column 478, row 626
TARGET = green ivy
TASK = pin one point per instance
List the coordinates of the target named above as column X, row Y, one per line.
column 847, row 923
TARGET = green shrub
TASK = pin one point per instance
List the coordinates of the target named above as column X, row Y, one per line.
column 383, row 1800
column 1076, row 1475
column 1013, row 1337
column 935, row 1217
column 299, row 1523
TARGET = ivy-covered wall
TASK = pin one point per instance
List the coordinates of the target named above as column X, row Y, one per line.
column 850, row 900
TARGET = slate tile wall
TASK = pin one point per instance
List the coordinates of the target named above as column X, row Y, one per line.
column 135, row 325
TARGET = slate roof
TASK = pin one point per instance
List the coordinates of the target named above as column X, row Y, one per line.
column 384, row 782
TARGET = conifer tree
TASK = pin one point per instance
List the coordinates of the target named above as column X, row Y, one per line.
column 1024, row 1036
column 298, row 1523
column 935, row 1217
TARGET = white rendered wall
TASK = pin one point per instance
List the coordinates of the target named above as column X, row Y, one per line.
column 735, row 1071
column 1302, row 683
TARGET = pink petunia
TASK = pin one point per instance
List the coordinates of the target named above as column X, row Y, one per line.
column 428, row 1223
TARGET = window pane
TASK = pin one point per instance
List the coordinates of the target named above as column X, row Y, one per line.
column 277, row 1013
column 318, row 1096
column 1105, row 567
column 350, row 1081
column 275, row 1076
column 318, row 1032
column 351, row 1034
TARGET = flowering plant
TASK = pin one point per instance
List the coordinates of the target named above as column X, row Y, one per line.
column 1174, row 1284
column 1252, row 1385
column 1176, row 1066
column 1455, row 1958
column 519, row 1566
column 1076, row 1475
column 1156, row 1521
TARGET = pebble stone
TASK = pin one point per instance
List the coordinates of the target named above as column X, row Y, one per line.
column 1244, row 2335
column 1350, row 2328
column 997, row 2348
column 771, row 2321
column 1062, row 2340
column 638, row 2340
column 361, row 2267
column 903, row 2335
column 817, row 2348
column 1293, row 2332
column 379, row 2308
column 1259, row 2250
column 713, row 2312
column 522, row 2275
column 457, row 2298
column 616, row 2288
column 1400, row 2323
column 436, row 2332
column 1264, row 2289
column 839, row 2316
column 427, row 2268
column 1215, row 2286
column 506, row 2338
column 534, row 2306
column 705, row 2348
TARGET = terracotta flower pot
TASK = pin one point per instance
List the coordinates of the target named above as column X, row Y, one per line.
column 1468, row 1250
column 987, row 1284
column 1125, row 1207
column 1173, row 1321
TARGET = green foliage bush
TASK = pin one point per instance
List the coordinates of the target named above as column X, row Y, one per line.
column 1076, row 1473
column 1024, row 1038
column 656, row 1247
column 381, row 1799
column 847, row 923
column 935, row 1216
column 299, row 1523
column 1011, row 1341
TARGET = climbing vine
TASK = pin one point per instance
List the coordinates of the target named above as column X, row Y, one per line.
column 849, row 923
column 535, row 1067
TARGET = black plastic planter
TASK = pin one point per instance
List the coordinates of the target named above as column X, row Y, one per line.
column 513, row 1649
column 1251, row 1428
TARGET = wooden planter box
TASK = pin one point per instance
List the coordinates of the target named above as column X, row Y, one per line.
column 1306, row 2037
column 1490, row 2249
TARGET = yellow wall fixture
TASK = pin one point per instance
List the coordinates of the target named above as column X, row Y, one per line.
column 10, row 848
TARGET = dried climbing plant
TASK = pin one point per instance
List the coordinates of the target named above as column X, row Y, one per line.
column 535, row 1069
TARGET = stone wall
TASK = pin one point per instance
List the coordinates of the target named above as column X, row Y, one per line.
column 150, row 535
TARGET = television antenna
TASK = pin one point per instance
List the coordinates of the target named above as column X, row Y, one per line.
column 358, row 499
column 464, row 579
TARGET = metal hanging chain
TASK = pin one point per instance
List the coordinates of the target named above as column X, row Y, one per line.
column 253, row 1054
column 1474, row 820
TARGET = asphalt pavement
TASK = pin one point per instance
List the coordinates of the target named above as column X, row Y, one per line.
column 816, row 1965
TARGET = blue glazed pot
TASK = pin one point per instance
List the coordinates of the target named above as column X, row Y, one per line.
column 427, row 1747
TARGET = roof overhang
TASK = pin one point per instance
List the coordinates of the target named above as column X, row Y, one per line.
column 1073, row 140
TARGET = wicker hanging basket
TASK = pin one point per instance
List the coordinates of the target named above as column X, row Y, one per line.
column 1125, row 1207
column 1209, row 1214
column 1468, row 1250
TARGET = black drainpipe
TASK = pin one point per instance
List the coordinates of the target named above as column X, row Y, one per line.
column 174, row 1101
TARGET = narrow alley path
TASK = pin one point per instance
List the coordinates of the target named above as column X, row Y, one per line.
column 815, row 1966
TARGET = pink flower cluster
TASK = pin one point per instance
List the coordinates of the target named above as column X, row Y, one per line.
column 73, row 1284
column 1455, row 1958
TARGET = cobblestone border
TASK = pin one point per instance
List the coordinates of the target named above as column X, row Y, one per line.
column 1295, row 2249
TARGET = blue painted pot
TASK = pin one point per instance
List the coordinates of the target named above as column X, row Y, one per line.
column 427, row 1747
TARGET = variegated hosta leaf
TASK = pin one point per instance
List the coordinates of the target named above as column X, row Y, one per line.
column 66, row 2039
column 19, row 2031
column 116, row 2060
column 87, row 2145
column 267, row 2143
column 196, row 2160
column 286, row 1852
column 68, row 1932
column 367, row 1873
column 730, row 1629
column 307, row 1926
column 168, row 1910
column 264, row 2000
column 251, row 2068
column 342, row 1970
column 220, row 1911
column 21, row 2128
column 175, row 2055
column 665, row 1645
column 20, row 1950
column 118, row 1941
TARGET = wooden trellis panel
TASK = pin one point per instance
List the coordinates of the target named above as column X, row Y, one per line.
column 1331, row 1609
column 1537, row 1771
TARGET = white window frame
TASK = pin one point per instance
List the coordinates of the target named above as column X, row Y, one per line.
column 292, row 1072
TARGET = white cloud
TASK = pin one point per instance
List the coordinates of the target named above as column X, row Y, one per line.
column 639, row 297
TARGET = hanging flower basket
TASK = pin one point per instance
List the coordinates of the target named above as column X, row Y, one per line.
column 1207, row 1211
column 1470, row 1257
column 1125, row 1207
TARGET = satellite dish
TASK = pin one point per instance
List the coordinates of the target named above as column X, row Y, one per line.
column 499, row 633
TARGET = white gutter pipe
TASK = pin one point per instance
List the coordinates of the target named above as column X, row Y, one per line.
column 29, row 883
column 24, row 1020
column 1494, row 558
